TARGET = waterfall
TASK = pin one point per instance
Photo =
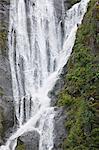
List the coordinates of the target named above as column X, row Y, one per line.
column 38, row 50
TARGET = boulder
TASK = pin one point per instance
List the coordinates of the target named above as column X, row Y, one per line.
column 29, row 141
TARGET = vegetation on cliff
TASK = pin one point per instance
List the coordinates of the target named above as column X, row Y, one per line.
column 81, row 93
column 4, row 19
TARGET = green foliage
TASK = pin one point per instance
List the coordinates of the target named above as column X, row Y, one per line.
column 81, row 94
column 79, row 126
column 64, row 99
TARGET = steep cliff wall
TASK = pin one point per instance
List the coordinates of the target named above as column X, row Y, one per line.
column 6, row 104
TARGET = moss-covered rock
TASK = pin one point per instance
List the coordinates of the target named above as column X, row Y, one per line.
column 4, row 24
column 28, row 141
column 3, row 42
column 81, row 91
column 20, row 145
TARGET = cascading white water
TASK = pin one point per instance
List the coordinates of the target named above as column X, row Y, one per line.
column 37, row 53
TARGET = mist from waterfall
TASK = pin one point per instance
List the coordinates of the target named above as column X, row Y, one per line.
column 38, row 50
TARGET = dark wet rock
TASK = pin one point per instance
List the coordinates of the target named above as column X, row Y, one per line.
column 59, row 85
column 61, row 6
column 59, row 130
column 60, row 117
column 6, row 98
column 29, row 140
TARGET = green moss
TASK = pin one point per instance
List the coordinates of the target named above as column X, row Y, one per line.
column 78, row 125
column 64, row 99
column 81, row 94
column 82, row 77
column 20, row 145
column 3, row 40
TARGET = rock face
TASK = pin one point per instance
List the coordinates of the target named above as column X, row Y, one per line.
column 59, row 85
column 29, row 141
column 6, row 98
column 62, row 5
column 59, row 130
column 60, row 117
column 58, row 6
